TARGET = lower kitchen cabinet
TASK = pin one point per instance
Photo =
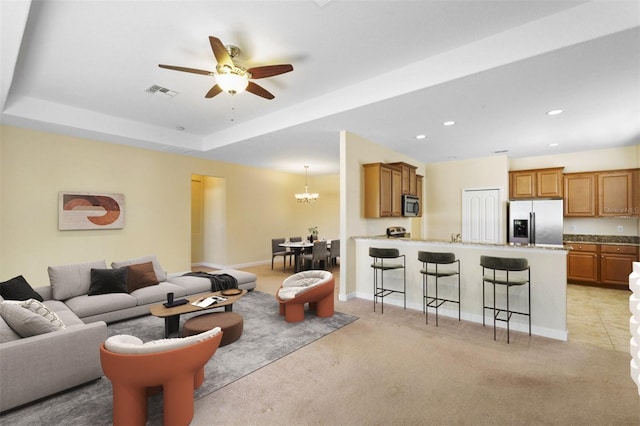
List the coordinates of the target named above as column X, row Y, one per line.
column 616, row 263
column 583, row 263
column 604, row 264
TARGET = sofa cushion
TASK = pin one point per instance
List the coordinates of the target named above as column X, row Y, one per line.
column 87, row 306
column 125, row 344
column 18, row 288
column 157, row 293
column 161, row 275
column 141, row 275
column 68, row 281
column 29, row 317
column 63, row 312
column 6, row 332
column 105, row 281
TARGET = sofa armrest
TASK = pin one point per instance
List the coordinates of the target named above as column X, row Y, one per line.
column 46, row 292
column 38, row 366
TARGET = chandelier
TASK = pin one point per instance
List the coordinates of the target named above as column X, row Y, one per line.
column 306, row 197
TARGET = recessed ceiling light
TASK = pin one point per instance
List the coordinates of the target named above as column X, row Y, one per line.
column 555, row 112
column 421, row 136
column 553, row 145
column 449, row 123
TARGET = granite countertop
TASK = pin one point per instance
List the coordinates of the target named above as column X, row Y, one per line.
column 623, row 240
column 463, row 243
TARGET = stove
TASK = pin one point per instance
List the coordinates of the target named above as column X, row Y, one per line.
column 396, row 232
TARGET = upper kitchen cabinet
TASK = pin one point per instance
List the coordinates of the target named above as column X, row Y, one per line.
column 618, row 193
column 419, row 192
column 580, row 194
column 409, row 182
column 536, row 183
column 382, row 190
column 603, row 194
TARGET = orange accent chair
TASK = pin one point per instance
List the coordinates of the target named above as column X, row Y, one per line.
column 157, row 365
column 315, row 287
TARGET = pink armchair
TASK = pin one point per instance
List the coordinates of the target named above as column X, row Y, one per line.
column 315, row 287
column 174, row 365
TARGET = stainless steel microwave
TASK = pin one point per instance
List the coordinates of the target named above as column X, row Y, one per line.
column 410, row 205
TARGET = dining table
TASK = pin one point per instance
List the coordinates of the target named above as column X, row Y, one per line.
column 297, row 247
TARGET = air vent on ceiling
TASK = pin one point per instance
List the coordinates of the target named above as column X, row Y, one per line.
column 159, row 90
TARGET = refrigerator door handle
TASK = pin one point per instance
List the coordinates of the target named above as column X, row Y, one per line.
column 532, row 220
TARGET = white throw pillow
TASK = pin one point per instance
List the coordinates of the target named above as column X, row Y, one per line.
column 29, row 317
column 126, row 344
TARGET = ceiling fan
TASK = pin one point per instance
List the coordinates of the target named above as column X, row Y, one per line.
column 233, row 78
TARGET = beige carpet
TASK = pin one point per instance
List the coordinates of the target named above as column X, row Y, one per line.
column 394, row 369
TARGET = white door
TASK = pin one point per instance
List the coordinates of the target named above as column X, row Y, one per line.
column 482, row 218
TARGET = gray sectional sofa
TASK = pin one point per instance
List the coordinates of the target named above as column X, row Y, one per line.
column 41, row 365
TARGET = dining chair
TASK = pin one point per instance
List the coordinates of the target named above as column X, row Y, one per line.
column 318, row 254
column 276, row 251
column 297, row 240
column 334, row 252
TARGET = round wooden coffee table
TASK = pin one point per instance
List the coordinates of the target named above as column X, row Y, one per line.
column 231, row 324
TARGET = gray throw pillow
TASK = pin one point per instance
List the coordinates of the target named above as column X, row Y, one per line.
column 69, row 281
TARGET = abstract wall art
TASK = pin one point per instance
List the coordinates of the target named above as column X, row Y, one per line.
column 82, row 210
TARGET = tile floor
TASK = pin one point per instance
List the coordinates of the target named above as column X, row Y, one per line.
column 599, row 316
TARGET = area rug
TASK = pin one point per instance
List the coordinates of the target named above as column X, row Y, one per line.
column 266, row 338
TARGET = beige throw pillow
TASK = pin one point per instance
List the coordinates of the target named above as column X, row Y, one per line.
column 29, row 317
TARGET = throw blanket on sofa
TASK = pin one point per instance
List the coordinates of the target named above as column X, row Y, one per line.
column 218, row 281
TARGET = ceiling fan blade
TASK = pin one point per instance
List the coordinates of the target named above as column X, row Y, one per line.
column 269, row 70
column 214, row 91
column 191, row 70
column 258, row 90
column 220, row 52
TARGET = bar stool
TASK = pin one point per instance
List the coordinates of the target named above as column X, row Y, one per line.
column 444, row 265
column 508, row 272
column 383, row 260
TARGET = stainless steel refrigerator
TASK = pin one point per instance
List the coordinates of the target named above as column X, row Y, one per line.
column 535, row 222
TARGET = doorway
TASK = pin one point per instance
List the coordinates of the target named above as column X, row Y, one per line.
column 208, row 221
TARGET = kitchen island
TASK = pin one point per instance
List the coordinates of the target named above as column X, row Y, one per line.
column 548, row 281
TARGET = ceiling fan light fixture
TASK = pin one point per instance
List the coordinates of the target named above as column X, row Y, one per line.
column 232, row 82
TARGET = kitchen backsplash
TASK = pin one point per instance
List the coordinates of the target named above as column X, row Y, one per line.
column 601, row 239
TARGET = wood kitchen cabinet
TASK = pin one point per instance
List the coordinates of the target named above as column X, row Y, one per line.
column 618, row 193
column 606, row 264
column 616, row 263
column 419, row 193
column 583, row 264
column 536, row 183
column 382, row 190
column 580, row 194
column 409, row 183
column 604, row 193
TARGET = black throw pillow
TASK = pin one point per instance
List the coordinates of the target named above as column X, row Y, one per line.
column 105, row 281
column 18, row 288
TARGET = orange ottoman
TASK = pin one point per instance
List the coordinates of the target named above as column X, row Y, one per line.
column 231, row 324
